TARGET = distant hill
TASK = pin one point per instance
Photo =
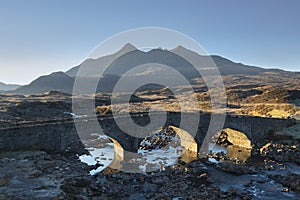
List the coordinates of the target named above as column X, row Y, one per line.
column 56, row 81
column 5, row 87
column 128, row 57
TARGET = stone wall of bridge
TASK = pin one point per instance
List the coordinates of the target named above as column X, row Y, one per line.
column 51, row 136
column 57, row 136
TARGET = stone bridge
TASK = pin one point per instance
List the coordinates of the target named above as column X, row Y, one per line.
column 57, row 135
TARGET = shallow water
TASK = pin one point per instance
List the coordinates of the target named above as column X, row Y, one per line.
column 160, row 157
column 103, row 156
column 149, row 160
column 259, row 185
column 156, row 158
column 231, row 151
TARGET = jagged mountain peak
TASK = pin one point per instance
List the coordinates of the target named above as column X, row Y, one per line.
column 179, row 47
column 127, row 48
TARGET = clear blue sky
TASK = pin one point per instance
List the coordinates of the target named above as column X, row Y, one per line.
column 41, row 36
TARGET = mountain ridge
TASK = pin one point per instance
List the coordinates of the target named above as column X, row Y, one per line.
column 128, row 57
column 5, row 87
column 104, row 59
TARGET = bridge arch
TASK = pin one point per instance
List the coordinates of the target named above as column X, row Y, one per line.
column 230, row 136
column 187, row 142
column 105, row 150
column 234, row 143
column 118, row 155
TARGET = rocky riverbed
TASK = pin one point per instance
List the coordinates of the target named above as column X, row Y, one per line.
column 35, row 174
column 269, row 171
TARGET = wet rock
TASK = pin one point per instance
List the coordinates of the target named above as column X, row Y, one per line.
column 35, row 173
column 232, row 192
column 234, row 168
column 281, row 152
column 4, row 182
column 68, row 189
column 80, row 182
column 77, row 188
column 290, row 180
column 48, row 157
column 160, row 139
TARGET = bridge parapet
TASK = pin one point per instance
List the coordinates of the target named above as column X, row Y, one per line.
column 59, row 134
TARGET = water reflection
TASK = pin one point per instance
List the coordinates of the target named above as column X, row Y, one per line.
column 165, row 146
column 156, row 152
column 231, row 151
column 101, row 152
column 110, row 155
column 188, row 156
column 238, row 152
column 103, row 156
column 156, row 159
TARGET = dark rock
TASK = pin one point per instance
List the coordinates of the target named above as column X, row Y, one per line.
column 290, row 180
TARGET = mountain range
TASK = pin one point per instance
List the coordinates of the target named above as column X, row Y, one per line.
column 128, row 57
column 4, row 87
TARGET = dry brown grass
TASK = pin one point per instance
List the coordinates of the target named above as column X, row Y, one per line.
column 269, row 110
column 102, row 110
